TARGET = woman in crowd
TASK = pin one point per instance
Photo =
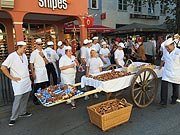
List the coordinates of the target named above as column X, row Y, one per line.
column 139, row 53
column 119, row 55
column 114, row 47
column 94, row 65
column 105, row 54
column 67, row 65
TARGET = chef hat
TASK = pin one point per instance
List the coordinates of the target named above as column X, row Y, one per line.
column 121, row 45
column 89, row 41
column 86, row 41
column 21, row 43
column 68, row 48
column 168, row 42
column 38, row 40
column 59, row 43
column 50, row 43
column 103, row 43
column 94, row 38
column 93, row 49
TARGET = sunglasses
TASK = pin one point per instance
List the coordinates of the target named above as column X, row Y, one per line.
column 39, row 44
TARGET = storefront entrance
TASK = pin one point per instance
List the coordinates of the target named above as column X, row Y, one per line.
column 32, row 31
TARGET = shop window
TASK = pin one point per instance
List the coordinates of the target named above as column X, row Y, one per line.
column 138, row 6
column 162, row 8
column 3, row 43
column 47, row 32
column 122, row 5
column 94, row 4
column 151, row 9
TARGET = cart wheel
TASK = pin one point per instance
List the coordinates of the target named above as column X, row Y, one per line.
column 144, row 87
column 112, row 66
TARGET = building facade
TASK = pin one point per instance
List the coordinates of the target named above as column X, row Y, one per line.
column 117, row 13
column 29, row 20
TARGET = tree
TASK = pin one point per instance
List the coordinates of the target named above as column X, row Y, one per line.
column 172, row 7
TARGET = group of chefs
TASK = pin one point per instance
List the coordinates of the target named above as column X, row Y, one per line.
column 93, row 58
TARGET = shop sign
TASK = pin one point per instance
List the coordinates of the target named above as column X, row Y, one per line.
column 54, row 4
column 103, row 16
column 89, row 21
column 140, row 16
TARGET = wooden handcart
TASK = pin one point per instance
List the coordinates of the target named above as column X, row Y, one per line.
column 143, row 84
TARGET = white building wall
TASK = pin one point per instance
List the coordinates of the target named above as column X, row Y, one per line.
column 113, row 16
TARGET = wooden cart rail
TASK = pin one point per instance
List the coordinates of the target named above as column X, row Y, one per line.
column 143, row 88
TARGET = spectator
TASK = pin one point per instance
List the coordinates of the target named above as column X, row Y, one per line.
column 177, row 40
column 140, row 51
column 150, row 51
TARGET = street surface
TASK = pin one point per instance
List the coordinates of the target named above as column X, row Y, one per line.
column 62, row 120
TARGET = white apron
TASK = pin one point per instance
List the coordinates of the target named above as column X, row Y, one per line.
column 39, row 66
column 68, row 78
column 19, row 68
column 171, row 71
column 22, row 86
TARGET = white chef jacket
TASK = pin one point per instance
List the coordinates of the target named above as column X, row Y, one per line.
column 171, row 71
column 67, row 75
column 88, row 54
column 94, row 64
column 61, row 51
column 119, row 55
column 39, row 66
column 96, row 46
column 83, row 52
column 104, row 52
column 52, row 57
column 19, row 68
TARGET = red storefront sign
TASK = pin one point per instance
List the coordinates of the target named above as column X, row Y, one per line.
column 89, row 21
column 103, row 16
column 94, row 28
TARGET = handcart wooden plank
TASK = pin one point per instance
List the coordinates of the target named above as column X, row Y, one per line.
column 72, row 98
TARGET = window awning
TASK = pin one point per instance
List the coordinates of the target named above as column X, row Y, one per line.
column 95, row 28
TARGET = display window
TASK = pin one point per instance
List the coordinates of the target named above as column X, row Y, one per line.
column 3, row 43
column 47, row 32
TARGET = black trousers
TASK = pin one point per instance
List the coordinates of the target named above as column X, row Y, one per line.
column 51, row 70
column 164, row 91
column 41, row 85
column 149, row 58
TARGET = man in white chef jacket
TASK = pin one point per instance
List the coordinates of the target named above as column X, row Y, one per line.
column 38, row 61
column 171, row 71
column 19, row 74
column 52, row 57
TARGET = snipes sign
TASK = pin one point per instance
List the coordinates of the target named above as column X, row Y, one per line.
column 54, row 4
